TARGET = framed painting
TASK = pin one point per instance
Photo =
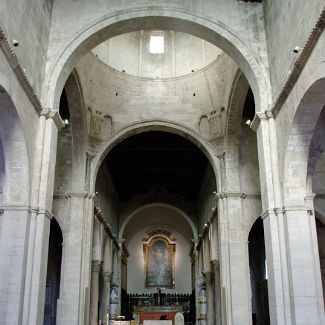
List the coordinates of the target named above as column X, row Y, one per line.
column 159, row 263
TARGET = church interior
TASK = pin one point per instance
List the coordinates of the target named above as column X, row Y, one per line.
column 162, row 163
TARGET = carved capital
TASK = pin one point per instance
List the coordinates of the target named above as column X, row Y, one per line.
column 55, row 116
column 261, row 116
column 107, row 276
column 95, row 266
column 216, row 265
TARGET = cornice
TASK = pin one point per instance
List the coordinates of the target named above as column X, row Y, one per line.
column 300, row 62
column 107, row 227
column 19, row 71
column 13, row 61
column 296, row 70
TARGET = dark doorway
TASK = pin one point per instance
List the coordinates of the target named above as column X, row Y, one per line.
column 258, row 274
column 321, row 248
column 53, row 273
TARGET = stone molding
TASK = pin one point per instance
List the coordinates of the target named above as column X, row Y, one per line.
column 300, row 62
column 18, row 207
column 283, row 210
column 298, row 66
column 27, row 208
column 19, row 71
column 224, row 195
column 46, row 213
column 107, row 227
column 83, row 195
column 14, row 63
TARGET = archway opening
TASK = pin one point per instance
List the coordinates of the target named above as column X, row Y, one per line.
column 152, row 20
column 53, row 274
column 258, row 274
column 320, row 227
column 153, row 184
column 2, row 172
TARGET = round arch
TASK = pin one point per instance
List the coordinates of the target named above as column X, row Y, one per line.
column 146, row 126
column 299, row 143
column 78, row 124
column 153, row 205
column 236, row 104
column 133, row 20
column 16, row 170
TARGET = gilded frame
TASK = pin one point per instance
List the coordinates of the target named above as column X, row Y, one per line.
column 159, row 263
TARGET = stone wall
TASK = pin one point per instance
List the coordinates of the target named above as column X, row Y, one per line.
column 287, row 26
column 28, row 22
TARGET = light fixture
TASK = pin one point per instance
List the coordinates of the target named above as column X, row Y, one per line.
column 296, row 49
column 66, row 122
column 248, row 122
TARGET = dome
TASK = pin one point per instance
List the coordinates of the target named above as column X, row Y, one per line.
column 179, row 54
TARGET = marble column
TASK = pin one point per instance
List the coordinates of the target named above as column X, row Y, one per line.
column 106, row 295
column 208, row 281
column 94, row 292
column 216, row 270
column 195, row 261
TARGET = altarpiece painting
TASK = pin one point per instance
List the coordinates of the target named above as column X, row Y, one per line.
column 159, row 263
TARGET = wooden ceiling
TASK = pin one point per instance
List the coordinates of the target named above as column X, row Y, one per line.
column 156, row 160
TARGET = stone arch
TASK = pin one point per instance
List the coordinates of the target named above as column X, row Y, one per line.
column 236, row 102
column 169, row 206
column 235, row 106
column 14, row 153
column 299, row 143
column 183, row 21
column 78, row 124
column 151, row 125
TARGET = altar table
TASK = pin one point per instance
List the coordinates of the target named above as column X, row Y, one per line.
column 156, row 313
column 157, row 322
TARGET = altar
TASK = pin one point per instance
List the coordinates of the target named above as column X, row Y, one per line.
column 157, row 322
column 156, row 313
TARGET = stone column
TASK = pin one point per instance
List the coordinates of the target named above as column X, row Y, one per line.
column 273, row 221
column 14, row 229
column 210, row 309
column 195, row 261
column 106, row 295
column 303, row 260
column 233, row 261
column 216, row 270
column 42, row 196
column 94, row 292
column 76, row 261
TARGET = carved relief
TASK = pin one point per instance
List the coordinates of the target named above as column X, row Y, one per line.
column 211, row 126
column 204, row 126
column 215, row 124
column 100, row 125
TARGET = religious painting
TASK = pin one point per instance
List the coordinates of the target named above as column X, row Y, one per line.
column 159, row 263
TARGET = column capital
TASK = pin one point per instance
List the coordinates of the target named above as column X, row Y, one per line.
column 55, row 116
column 207, row 274
column 216, row 265
column 82, row 194
column 261, row 116
column 226, row 194
column 96, row 265
column 107, row 276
